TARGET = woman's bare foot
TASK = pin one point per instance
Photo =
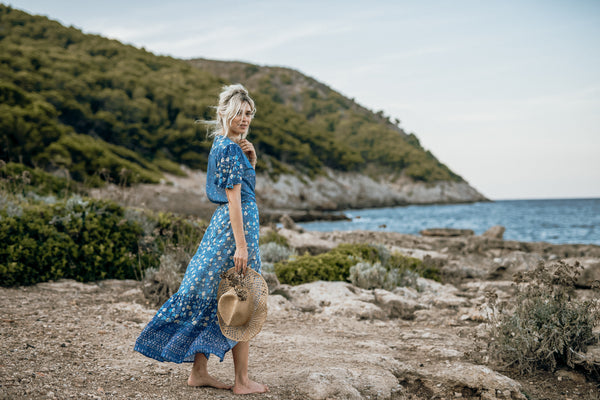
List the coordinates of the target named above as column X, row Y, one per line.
column 196, row 380
column 249, row 387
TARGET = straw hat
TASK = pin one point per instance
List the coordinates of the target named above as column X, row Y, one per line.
column 242, row 304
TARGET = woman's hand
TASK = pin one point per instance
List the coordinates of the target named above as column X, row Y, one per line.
column 240, row 258
column 248, row 149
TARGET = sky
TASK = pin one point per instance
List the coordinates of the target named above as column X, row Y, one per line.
column 504, row 92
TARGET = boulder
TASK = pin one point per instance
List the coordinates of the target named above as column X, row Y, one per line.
column 495, row 232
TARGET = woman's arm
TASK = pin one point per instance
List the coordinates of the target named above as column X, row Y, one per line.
column 234, row 198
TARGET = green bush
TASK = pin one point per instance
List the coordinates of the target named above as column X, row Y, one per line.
column 544, row 326
column 162, row 282
column 370, row 276
column 424, row 268
column 273, row 237
column 331, row 266
column 376, row 276
column 377, row 267
column 273, row 252
column 17, row 178
column 85, row 239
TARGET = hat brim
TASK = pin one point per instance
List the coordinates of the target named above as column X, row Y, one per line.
column 256, row 284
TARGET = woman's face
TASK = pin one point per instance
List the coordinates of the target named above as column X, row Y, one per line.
column 241, row 122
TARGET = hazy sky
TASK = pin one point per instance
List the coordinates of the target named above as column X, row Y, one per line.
column 506, row 92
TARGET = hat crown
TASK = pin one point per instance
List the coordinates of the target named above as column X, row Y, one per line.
column 234, row 312
column 231, row 310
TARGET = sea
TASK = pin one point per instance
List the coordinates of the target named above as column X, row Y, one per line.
column 553, row 220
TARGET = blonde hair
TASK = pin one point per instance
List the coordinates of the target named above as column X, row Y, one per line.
column 231, row 100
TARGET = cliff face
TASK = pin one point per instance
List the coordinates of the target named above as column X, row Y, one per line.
column 343, row 190
column 335, row 191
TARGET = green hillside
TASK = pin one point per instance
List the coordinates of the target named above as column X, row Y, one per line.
column 107, row 111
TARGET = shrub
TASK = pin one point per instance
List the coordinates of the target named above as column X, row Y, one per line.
column 273, row 252
column 373, row 276
column 546, row 327
column 331, row 266
column 18, row 179
column 79, row 239
column 374, row 267
column 369, row 276
column 267, row 268
column 405, row 265
column 273, row 236
column 163, row 282
column 85, row 239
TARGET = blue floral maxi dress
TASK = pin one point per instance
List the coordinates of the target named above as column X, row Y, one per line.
column 187, row 323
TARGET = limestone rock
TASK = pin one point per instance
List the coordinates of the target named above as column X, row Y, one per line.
column 468, row 267
column 278, row 306
column 336, row 298
column 446, row 232
column 345, row 383
column 335, row 190
column 590, row 274
column 288, row 223
column 514, row 262
column 444, row 379
column 495, row 232
column 272, row 281
column 396, row 306
column 306, row 241
column 442, row 296
column 332, row 385
column 344, row 299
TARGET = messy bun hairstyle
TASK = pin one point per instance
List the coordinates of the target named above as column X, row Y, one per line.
column 231, row 100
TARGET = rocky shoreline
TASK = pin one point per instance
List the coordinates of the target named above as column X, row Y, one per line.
column 298, row 196
column 322, row 340
column 335, row 191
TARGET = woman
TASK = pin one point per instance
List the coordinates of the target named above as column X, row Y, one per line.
column 185, row 328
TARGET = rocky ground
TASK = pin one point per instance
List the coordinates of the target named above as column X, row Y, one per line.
column 323, row 340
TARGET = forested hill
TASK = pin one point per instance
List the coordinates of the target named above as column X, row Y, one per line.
column 104, row 110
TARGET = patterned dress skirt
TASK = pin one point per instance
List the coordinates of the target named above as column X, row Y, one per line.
column 187, row 323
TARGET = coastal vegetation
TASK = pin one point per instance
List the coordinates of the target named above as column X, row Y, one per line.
column 103, row 111
column 365, row 265
column 49, row 231
column 545, row 326
column 349, row 136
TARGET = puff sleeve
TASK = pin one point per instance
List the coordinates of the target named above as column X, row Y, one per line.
column 229, row 168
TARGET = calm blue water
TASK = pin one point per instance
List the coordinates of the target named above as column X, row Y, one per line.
column 554, row 221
